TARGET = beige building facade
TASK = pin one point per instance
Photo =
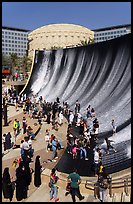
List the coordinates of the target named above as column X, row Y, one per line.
column 55, row 36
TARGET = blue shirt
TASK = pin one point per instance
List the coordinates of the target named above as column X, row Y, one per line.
column 53, row 145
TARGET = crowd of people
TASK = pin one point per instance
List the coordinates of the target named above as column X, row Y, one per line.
column 77, row 145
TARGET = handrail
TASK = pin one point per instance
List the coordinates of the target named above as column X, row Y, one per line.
column 124, row 183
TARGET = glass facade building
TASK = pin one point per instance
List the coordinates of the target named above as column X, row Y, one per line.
column 109, row 33
column 14, row 40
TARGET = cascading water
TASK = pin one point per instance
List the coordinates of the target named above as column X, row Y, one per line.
column 97, row 74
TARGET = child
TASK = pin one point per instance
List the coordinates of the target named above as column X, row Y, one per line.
column 74, row 151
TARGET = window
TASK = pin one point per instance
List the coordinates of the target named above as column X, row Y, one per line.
column 12, row 37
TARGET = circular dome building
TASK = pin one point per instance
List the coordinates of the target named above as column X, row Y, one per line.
column 56, row 36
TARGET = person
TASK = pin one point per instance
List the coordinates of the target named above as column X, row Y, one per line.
column 31, row 150
column 75, row 180
column 47, row 139
column 113, row 127
column 25, row 146
column 7, row 185
column 88, row 114
column 61, row 118
column 18, row 127
column 37, row 174
column 8, row 140
column 24, row 125
column 21, row 149
column 54, row 185
column 4, row 141
column 21, row 182
column 71, row 118
column 54, row 149
column 108, row 142
column 74, row 151
column 96, row 161
column 28, row 173
column 103, row 184
column 15, row 128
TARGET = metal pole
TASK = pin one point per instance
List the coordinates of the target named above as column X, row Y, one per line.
column 127, row 186
column 95, row 191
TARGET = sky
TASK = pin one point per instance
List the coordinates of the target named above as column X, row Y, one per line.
column 92, row 15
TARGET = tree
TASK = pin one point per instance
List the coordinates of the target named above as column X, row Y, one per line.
column 87, row 42
column 26, row 62
column 6, row 60
column 14, row 59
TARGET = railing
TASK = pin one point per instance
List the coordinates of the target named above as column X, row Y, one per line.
column 119, row 183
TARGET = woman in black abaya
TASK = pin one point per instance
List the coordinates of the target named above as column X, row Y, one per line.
column 37, row 174
column 21, row 182
column 7, row 185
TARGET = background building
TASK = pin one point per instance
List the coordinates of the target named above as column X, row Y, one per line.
column 58, row 36
column 109, row 33
column 14, row 40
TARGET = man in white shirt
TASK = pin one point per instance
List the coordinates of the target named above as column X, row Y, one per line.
column 96, row 161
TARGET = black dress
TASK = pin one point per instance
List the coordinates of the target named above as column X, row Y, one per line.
column 8, row 141
column 37, row 174
column 7, row 185
column 21, row 183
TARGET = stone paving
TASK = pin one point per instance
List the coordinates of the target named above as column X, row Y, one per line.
column 38, row 145
column 41, row 194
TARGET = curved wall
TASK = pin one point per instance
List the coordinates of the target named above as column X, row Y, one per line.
column 97, row 74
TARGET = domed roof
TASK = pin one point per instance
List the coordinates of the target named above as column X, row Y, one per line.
column 60, row 27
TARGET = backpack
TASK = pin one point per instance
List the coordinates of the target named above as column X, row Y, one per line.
column 103, row 182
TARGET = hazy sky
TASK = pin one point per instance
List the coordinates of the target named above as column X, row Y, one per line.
column 93, row 15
